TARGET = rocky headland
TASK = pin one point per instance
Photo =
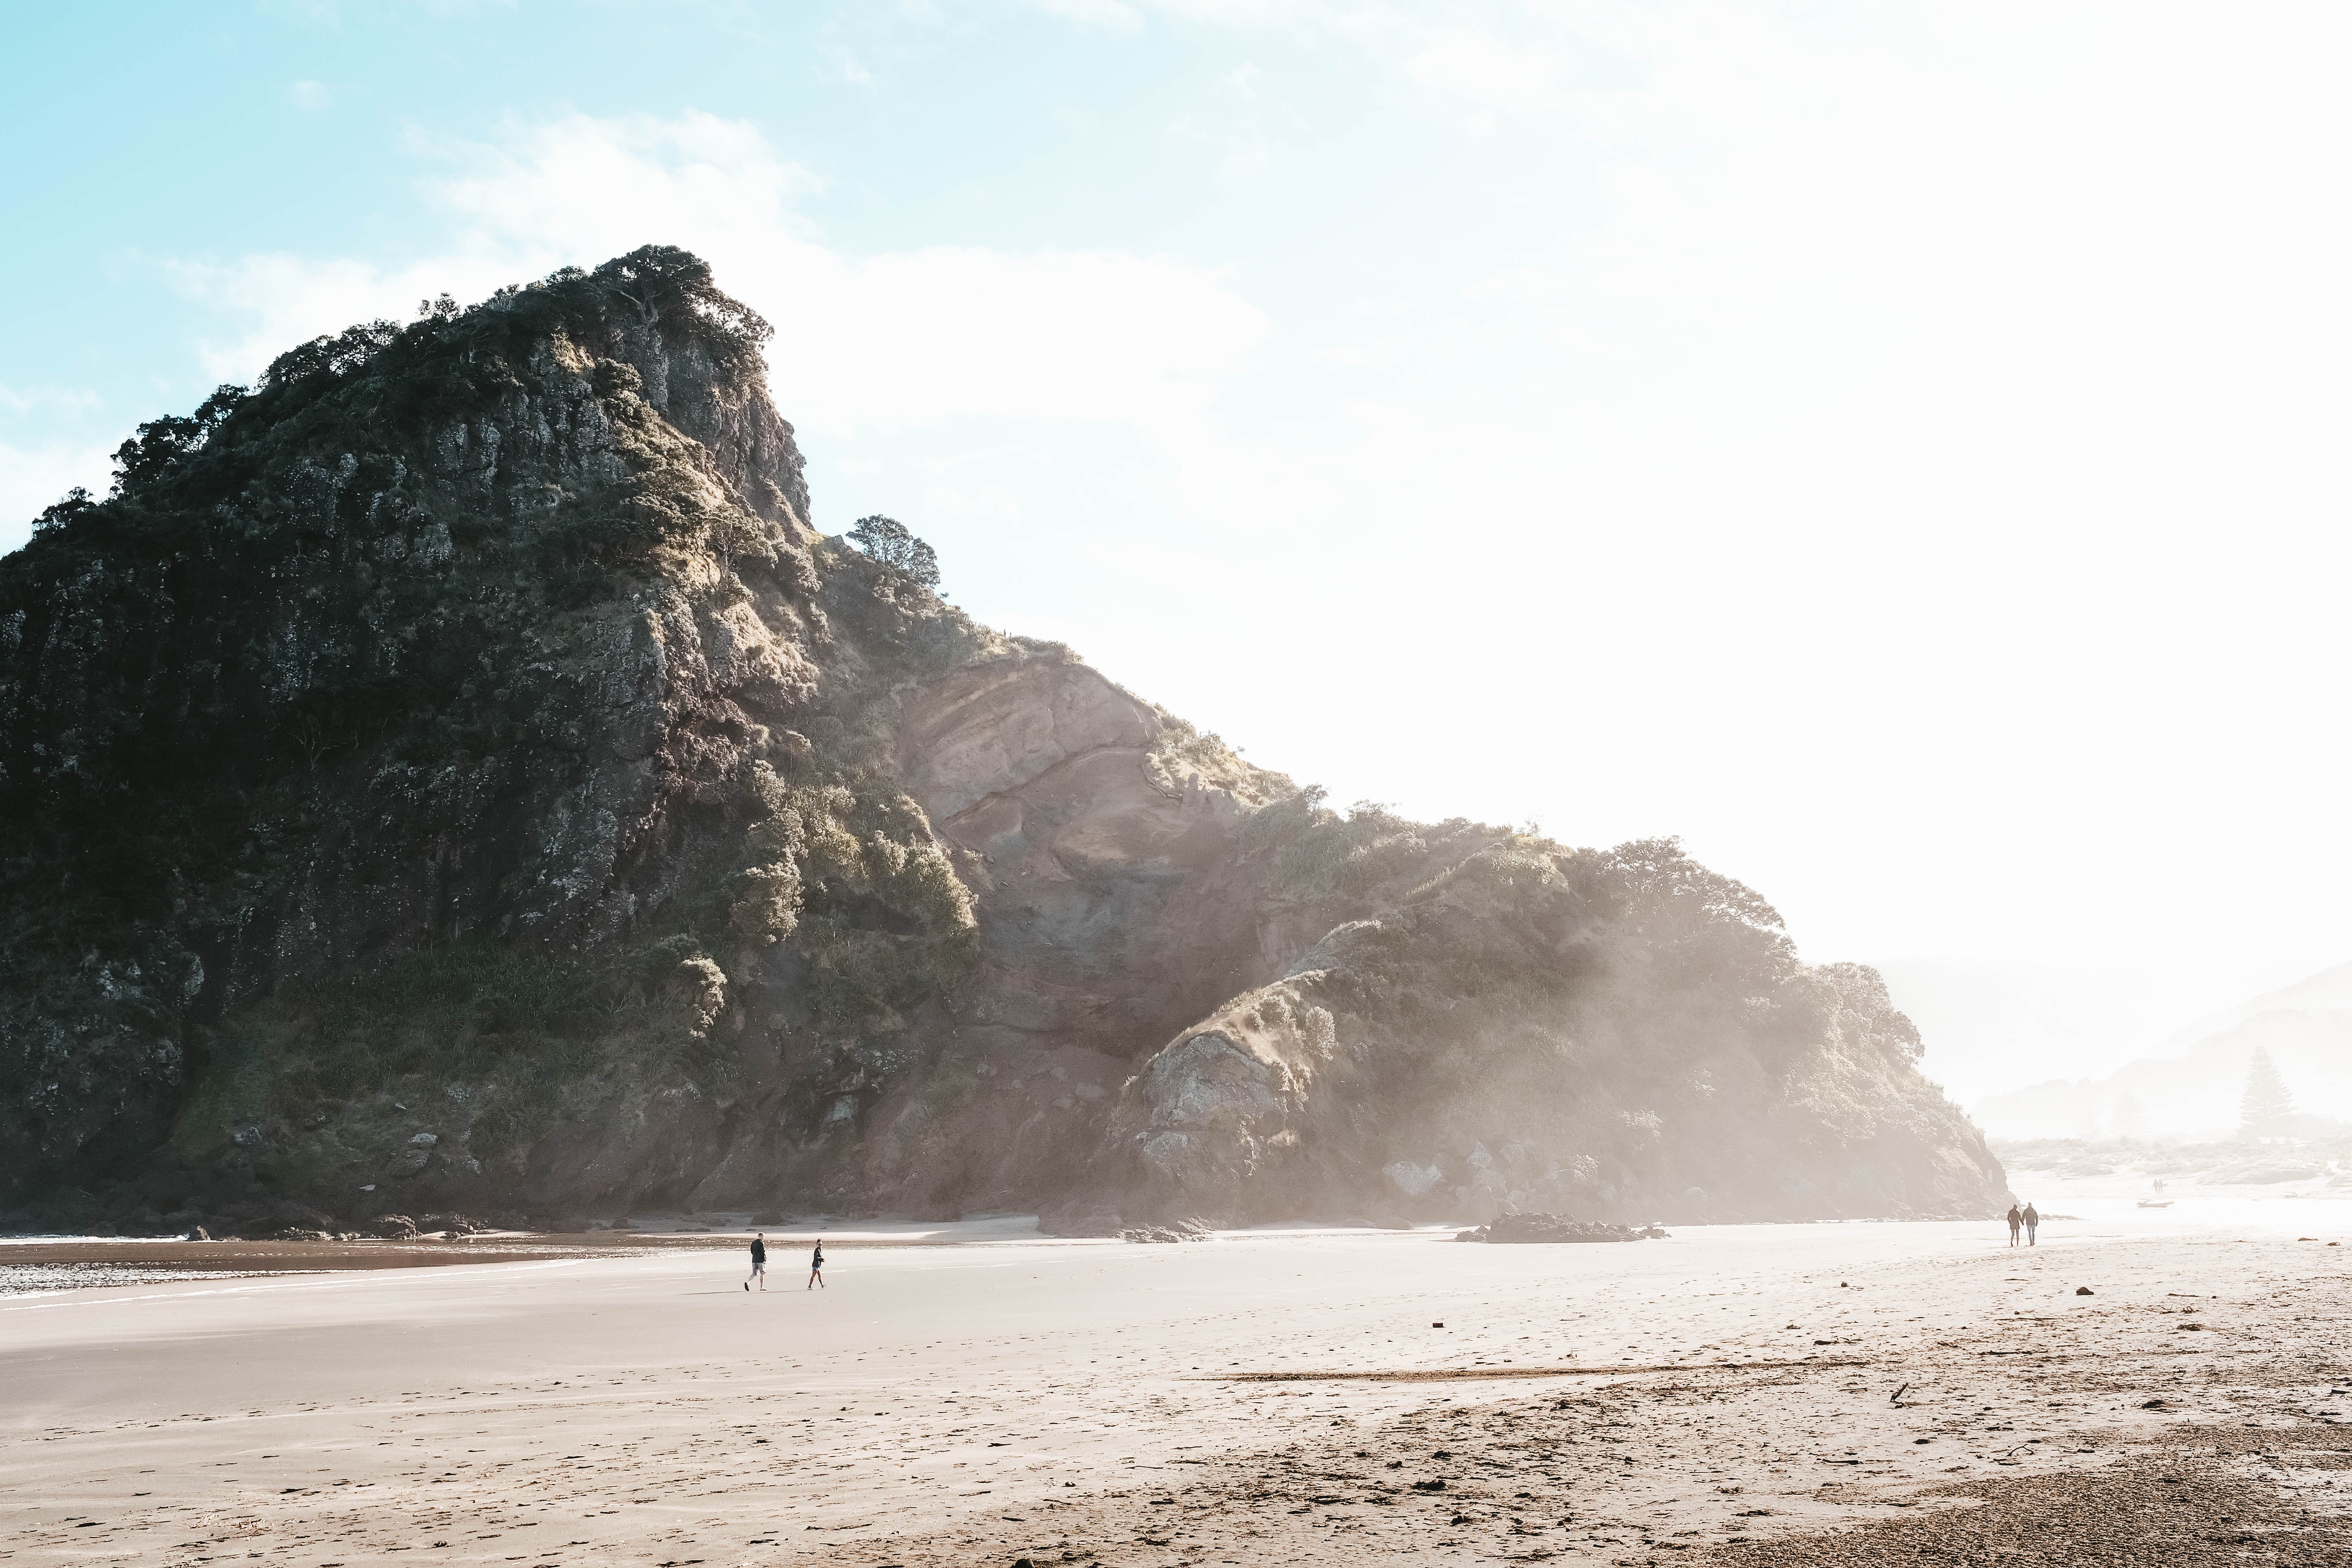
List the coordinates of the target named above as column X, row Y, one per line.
column 454, row 774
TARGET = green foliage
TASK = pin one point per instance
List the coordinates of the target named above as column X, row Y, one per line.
column 1350, row 857
column 865, row 982
column 307, row 1164
column 888, row 541
column 75, row 505
column 234, row 1094
column 1868, row 1011
column 1278, row 825
column 343, row 686
column 491, row 988
column 1667, row 894
column 888, row 921
column 1184, row 750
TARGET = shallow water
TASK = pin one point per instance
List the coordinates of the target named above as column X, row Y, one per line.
column 43, row 1279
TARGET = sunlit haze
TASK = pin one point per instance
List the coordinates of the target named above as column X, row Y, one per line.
column 1897, row 450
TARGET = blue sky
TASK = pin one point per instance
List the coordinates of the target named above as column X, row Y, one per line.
column 167, row 140
column 1893, row 446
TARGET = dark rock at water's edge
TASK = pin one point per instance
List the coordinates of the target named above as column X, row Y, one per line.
column 1181, row 1230
column 454, row 774
column 1538, row 1227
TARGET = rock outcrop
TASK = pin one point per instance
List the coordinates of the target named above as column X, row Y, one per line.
column 456, row 773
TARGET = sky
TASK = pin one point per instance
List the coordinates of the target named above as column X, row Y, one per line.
column 1897, row 448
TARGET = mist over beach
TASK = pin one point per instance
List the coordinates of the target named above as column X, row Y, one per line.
column 1113, row 781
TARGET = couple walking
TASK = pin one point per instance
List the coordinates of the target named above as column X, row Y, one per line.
column 2028, row 1218
column 760, row 1265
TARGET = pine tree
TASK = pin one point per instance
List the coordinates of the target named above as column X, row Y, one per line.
column 2267, row 1107
column 2130, row 1118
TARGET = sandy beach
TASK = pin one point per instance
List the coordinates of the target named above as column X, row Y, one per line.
column 1753, row 1395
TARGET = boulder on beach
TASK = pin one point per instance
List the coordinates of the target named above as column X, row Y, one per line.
column 391, row 1227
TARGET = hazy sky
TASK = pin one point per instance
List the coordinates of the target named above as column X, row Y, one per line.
column 1899, row 448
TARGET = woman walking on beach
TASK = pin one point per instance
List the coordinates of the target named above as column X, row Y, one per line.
column 816, row 1269
column 2016, row 1221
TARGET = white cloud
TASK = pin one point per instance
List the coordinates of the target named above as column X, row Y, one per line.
column 1479, row 59
column 311, row 97
column 14, row 400
column 1910, row 434
column 1491, row 72
column 880, row 341
column 1238, row 137
column 36, row 473
column 278, row 299
column 847, row 67
column 1093, row 13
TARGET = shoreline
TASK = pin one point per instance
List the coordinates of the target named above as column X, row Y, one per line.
column 1746, row 1395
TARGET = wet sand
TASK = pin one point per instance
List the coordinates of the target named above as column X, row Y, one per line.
column 1751, row 1394
column 31, row 1266
column 36, row 1267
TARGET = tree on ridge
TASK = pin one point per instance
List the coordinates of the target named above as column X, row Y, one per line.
column 891, row 542
column 2267, row 1108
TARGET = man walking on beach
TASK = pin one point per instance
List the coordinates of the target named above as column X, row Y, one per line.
column 2032, row 1222
column 2015, row 1220
column 758, row 1262
column 816, row 1268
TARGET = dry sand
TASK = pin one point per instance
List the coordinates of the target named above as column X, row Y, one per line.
column 1751, row 1394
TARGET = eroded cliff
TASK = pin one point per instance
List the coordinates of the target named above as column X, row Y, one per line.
column 455, row 774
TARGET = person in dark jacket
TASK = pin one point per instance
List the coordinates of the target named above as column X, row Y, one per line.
column 2016, row 1223
column 2032, row 1222
column 816, row 1268
column 758, row 1262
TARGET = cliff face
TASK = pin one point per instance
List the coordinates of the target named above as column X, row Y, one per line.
column 455, row 774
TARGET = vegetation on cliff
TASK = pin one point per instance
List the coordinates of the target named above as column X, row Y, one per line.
column 389, row 732
column 455, row 768
column 1526, row 1025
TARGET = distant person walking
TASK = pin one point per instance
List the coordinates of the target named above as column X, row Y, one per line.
column 2032, row 1222
column 816, row 1268
column 2016, row 1223
column 758, row 1262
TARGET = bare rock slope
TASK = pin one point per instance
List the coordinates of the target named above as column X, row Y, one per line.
column 454, row 773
